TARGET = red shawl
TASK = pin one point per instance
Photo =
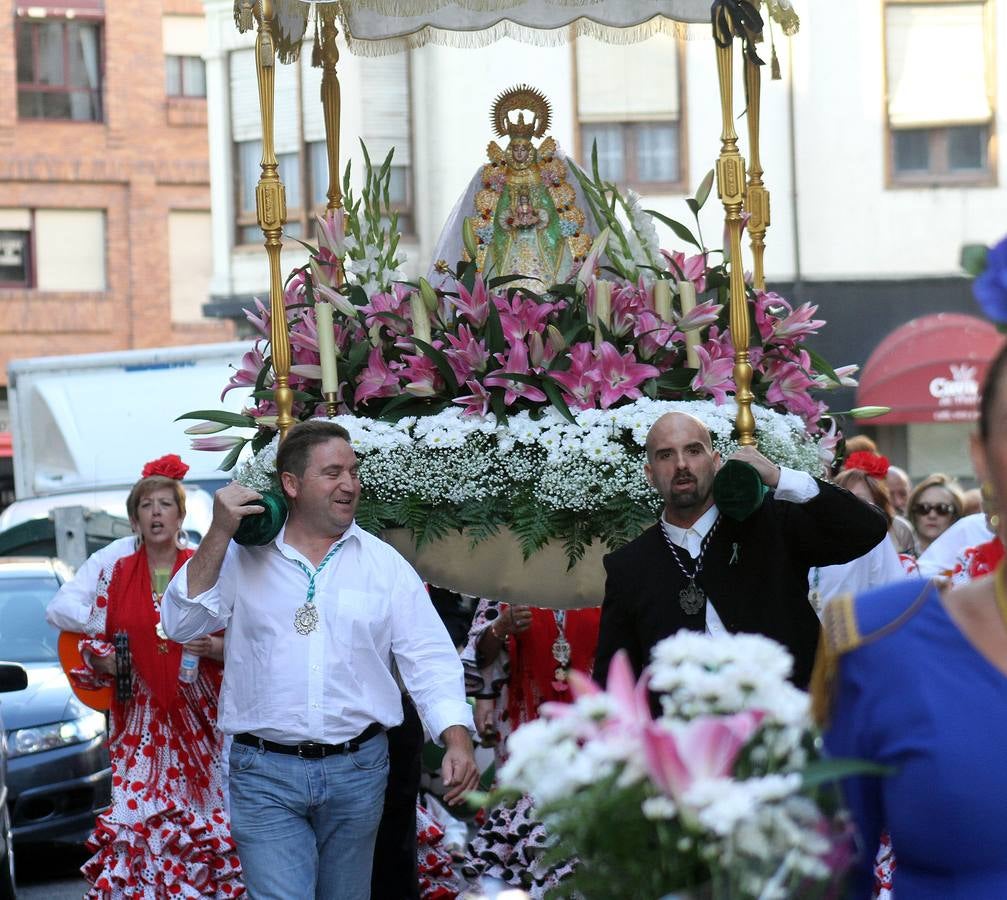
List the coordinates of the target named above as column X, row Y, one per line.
column 131, row 609
column 532, row 666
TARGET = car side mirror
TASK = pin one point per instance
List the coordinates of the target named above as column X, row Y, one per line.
column 12, row 678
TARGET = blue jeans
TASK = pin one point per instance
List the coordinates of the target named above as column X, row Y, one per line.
column 306, row 827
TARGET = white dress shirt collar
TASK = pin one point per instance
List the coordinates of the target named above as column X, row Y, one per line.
column 691, row 537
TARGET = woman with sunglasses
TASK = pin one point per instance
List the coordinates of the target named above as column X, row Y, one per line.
column 934, row 506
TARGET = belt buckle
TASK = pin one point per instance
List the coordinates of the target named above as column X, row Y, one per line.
column 314, row 750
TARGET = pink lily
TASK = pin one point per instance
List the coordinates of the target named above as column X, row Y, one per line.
column 377, row 379
column 332, row 232
column 828, row 442
column 423, row 378
column 799, row 324
column 475, row 305
column 477, row 403
column 468, row 354
column 621, row 375
column 769, row 308
column 789, row 386
column 374, row 311
column 516, row 362
column 581, row 380
column 246, row 376
column 700, row 316
column 585, row 275
column 629, row 302
column 705, row 748
column 714, row 376
column 222, row 442
column 521, row 316
column 261, row 321
column 653, row 334
column 692, row 268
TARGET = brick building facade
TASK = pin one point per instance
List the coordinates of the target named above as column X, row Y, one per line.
column 104, row 178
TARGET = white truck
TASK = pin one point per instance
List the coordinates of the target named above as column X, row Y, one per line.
column 83, row 426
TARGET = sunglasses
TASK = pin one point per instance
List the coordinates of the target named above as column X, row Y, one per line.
column 942, row 509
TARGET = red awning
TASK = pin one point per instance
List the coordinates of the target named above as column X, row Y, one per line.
column 930, row 369
column 6, row 445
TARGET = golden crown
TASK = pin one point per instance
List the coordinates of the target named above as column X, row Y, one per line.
column 522, row 98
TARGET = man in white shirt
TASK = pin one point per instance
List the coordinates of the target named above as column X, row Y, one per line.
column 315, row 620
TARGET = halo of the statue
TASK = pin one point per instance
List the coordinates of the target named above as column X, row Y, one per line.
column 495, row 568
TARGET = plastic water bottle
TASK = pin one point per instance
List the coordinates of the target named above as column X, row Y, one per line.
column 189, row 669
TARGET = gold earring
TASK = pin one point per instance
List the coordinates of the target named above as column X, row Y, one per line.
column 990, row 505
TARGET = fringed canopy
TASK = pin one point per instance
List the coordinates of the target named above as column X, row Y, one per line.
column 381, row 27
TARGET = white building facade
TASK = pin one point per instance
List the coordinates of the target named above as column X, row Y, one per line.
column 879, row 146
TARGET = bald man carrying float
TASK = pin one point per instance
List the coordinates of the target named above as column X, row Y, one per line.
column 699, row 569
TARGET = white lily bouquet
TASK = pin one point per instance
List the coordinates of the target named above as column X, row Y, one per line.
column 722, row 795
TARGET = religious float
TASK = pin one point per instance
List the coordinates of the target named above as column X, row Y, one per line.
column 499, row 405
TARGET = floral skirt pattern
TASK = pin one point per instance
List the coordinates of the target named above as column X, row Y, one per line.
column 434, row 863
column 167, row 833
column 509, row 847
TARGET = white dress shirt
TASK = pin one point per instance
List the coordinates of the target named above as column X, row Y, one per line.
column 793, row 486
column 331, row 684
column 879, row 566
column 70, row 609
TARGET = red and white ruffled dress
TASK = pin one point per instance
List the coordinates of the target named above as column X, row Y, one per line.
column 167, row 833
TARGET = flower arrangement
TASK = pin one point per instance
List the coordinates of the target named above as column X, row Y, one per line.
column 725, row 784
column 527, row 409
column 572, row 481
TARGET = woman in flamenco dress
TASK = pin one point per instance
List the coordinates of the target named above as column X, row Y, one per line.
column 167, row 833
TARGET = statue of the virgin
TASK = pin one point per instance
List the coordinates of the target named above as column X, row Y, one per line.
column 527, row 221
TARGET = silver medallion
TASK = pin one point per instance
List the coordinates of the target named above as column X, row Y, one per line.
column 691, row 598
column 561, row 650
column 306, row 619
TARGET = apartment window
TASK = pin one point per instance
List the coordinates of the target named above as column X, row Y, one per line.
column 59, row 69
column 183, row 40
column 299, row 137
column 939, row 114
column 52, row 249
column 628, row 106
column 184, row 76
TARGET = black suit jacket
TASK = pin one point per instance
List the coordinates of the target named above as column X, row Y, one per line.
column 754, row 572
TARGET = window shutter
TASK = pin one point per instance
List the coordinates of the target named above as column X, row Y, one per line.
column 627, row 82
column 184, row 35
column 385, row 105
column 936, row 65
column 70, row 249
column 246, row 124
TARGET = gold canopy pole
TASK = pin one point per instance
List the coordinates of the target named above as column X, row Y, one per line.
column 731, row 190
column 271, row 208
column 757, row 199
column 331, row 102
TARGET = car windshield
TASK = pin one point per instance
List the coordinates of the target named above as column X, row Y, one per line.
column 25, row 636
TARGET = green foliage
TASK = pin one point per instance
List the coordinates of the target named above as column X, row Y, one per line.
column 623, row 856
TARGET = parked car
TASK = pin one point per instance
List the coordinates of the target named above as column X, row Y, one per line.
column 12, row 678
column 59, row 774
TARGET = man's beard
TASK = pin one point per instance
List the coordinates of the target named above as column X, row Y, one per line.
column 685, row 499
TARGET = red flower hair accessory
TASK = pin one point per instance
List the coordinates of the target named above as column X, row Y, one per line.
column 874, row 464
column 170, row 466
